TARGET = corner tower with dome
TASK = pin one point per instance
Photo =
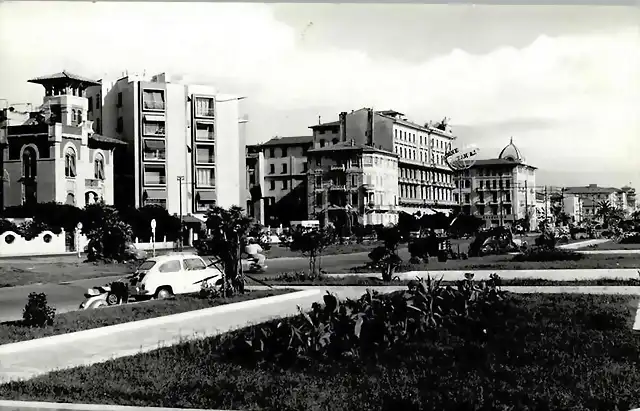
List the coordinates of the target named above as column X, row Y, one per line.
column 500, row 190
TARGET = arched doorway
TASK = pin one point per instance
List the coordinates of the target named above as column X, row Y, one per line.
column 29, row 174
column 71, row 199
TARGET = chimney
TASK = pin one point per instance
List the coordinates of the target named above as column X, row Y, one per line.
column 343, row 126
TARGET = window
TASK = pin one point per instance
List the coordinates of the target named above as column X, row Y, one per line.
column 205, row 131
column 272, row 152
column 147, row 265
column 206, row 177
column 153, row 100
column 204, row 107
column 205, row 154
column 322, row 143
column 70, row 163
column 284, row 169
column 304, row 167
column 354, row 180
column 74, row 117
column 508, row 197
column 194, row 264
column 154, row 149
column 29, row 163
column 154, row 175
column 272, row 185
column 367, row 161
column 466, row 198
column 284, row 151
column 284, row 184
column 318, row 181
column 319, row 200
column 79, row 116
column 98, row 167
column 318, row 161
column 90, row 105
column 153, row 128
column 272, row 168
column 119, row 104
column 98, row 101
column 98, row 126
column 119, row 125
column 172, row 266
column 508, row 184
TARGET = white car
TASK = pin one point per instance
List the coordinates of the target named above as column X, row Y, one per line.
column 167, row 275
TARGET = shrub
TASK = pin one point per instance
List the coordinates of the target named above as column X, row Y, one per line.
column 364, row 328
column 31, row 229
column 630, row 238
column 298, row 277
column 140, row 222
column 542, row 254
column 108, row 235
column 7, row 225
column 37, row 313
column 546, row 240
column 311, row 243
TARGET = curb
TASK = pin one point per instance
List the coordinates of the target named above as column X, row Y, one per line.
column 97, row 332
column 17, row 405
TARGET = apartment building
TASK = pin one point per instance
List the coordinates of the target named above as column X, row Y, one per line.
column 185, row 146
column 425, row 180
column 351, row 180
column 55, row 155
column 592, row 196
column 283, row 176
column 499, row 190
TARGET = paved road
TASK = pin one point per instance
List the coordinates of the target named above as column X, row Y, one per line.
column 67, row 297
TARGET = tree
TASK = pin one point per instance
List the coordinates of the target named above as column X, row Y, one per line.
column 108, row 235
column 229, row 231
column 386, row 256
column 311, row 243
column 604, row 211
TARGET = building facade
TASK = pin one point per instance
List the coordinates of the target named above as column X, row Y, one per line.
column 425, row 180
column 352, row 181
column 500, row 190
column 284, row 175
column 185, row 148
column 55, row 155
column 592, row 196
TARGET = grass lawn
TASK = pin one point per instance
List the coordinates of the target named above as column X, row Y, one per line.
column 504, row 262
column 87, row 319
column 336, row 249
column 612, row 245
column 16, row 272
column 537, row 352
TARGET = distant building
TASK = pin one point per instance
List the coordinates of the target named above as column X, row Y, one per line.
column 281, row 178
column 501, row 190
column 631, row 198
column 56, row 155
column 184, row 148
column 592, row 196
column 425, row 180
column 352, row 181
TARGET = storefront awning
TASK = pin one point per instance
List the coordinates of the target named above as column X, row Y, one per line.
column 206, row 196
column 189, row 219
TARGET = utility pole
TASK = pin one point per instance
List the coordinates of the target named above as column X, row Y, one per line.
column 180, row 179
column 526, row 203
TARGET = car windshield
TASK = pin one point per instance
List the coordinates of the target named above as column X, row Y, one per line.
column 147, row 265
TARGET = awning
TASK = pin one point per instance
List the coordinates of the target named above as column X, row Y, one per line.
column 189, row 219
column 206, row 196
column 152, row 117
column 156, row 194
column 154, row 145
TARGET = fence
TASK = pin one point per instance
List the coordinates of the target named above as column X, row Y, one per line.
column 46, row 243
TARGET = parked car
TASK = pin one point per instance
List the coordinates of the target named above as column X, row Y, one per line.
column 177, row 273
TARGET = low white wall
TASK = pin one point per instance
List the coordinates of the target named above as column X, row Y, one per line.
column 160, row 245
column 36, row 246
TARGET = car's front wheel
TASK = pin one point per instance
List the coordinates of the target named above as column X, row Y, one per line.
column 164, row 293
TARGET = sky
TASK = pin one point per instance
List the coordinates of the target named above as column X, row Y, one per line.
column 561, row 80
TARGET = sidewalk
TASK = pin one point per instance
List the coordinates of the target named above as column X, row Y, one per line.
column 35, row 357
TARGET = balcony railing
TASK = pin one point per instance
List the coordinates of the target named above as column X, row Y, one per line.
column 93, row 183
column 153, row 105
column 205, row 112
column 337, row 168
column 337, row 187
column 208, row 136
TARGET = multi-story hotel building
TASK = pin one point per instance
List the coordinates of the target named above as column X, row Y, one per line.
column 185, row 148
column 425, row 180
column 282, row 178
column 347, row 178
column 592, row 196
column 500, row 190
column 55, row 155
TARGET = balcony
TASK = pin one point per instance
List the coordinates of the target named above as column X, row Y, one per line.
column 368, row 187
column 337, row 187
column 93, row 183
column 153, row 105
column 205, row 112
column 337, row 168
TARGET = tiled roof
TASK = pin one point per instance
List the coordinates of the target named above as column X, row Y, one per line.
column 347, row 146
column 288, row 141
column 63, row 75
column 323, row 125
column 104, row 139
column 499, row 162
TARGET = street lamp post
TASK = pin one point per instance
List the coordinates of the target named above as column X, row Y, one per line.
column 180, row 179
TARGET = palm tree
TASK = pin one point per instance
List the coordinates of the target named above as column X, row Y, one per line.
column 605, row 211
